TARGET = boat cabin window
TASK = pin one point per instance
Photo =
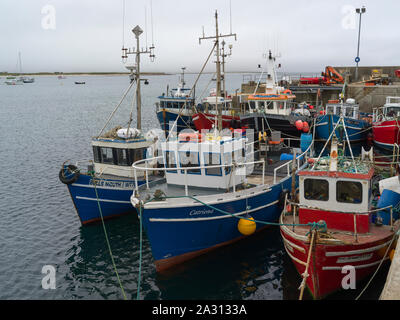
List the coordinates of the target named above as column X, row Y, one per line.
column 212, row 159
column 260, row 105
column 170, row 160
column 252, row 104
column 136, row 155
column 270, row 105
column 117, row 156
column 96, row 154
column 227, row 160
column 349, row 192
column 335, row 109
column 316, row 189
column 106, row 155
column 122, row 157
column 348, row 112
column 189, row 159
column 393, row 112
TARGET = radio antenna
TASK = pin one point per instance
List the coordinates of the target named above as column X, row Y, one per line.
column 152, row 55
column 124, row 50
column 151, row 16
column 145, row 23
column 230, row 14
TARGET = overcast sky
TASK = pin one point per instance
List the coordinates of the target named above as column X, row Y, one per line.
column 86, row 35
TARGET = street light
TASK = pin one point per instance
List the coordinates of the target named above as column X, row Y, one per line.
column 360, row 11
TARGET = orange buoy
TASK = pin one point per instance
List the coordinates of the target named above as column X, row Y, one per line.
column 306, row 127
column 299, row 125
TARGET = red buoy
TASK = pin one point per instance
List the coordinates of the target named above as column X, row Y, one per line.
column 299, row 125
column 306, row 127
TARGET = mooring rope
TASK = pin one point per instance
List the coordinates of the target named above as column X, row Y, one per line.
column 305, row 275
column 140, row 252
column 313, row 225
column 107, row 240
column 377, row 269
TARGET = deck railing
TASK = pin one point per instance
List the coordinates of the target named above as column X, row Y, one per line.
column 300, row 160
column 355, row 214
column 232, row 165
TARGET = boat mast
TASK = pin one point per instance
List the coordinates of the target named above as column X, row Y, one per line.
column 218, row 65
column 224, row 55
column 137, row 31
column 183, row 77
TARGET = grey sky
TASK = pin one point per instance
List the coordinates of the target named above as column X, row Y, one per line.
column 88, row 33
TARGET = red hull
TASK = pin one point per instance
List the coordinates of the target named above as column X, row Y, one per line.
column 329, row 256
column 386, row 133
column 206, row 121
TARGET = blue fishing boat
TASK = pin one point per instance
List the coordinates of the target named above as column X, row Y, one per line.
column 102, row 189
column 210, row 183
column 357, row 124
column 106, row 183
column 177, row 105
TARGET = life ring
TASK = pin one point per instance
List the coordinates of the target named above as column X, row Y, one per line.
column 287, row 91
column 69, row 174
column 282, row 196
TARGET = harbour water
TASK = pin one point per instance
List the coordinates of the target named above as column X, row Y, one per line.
column 50, row 121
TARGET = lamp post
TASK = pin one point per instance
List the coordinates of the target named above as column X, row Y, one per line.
column 360, row 11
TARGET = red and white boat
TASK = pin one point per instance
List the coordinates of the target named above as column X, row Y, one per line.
column 386, row 124
column 337, row 191
column 207, row 119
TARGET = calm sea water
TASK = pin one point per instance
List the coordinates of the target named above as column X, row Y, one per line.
column 50, row 121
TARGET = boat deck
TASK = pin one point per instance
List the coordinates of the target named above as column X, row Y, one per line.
column 160, row 186
column 337, row 236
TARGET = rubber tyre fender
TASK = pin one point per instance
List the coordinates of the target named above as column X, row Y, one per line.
column 72, row 178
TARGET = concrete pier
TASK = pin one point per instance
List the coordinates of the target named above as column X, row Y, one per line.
column 391, row 291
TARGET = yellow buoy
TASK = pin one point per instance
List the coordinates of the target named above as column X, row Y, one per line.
column 247, row 227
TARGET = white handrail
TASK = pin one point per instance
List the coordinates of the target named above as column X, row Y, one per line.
column 136, row 167
column 298, row 158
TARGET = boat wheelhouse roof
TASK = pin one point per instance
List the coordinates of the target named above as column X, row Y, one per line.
column 342, row 105
column 176, row 98
column 111, row 139
column 345, row 168
column 395, row 101
column 271, row 97
column 214, row 99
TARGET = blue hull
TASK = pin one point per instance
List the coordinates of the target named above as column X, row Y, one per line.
column 166, row 118
column 114, row 198
column 356, row 129
column 177, row 234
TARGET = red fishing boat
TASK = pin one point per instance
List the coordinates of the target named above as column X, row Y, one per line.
column 386, row 124
column 336, row 191
column 206, row 119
